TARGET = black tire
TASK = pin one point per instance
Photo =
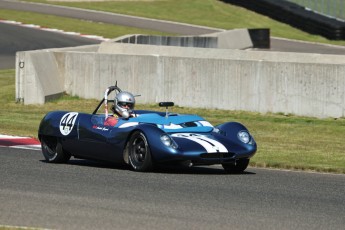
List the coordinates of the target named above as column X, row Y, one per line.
column 52, row 150
column 238, row 167
column 139, row 153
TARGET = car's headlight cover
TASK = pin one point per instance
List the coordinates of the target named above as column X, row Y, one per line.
column 168, row 141
column 244, row 136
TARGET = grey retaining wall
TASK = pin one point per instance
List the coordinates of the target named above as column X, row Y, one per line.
column 301, row 84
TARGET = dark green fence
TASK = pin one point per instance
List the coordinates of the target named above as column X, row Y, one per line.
column 332, row 8
column 298, row 16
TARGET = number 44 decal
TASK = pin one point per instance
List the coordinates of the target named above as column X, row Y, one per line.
column 67, row 122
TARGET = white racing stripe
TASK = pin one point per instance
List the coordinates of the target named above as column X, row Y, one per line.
column 128, row 124
column 209, row 144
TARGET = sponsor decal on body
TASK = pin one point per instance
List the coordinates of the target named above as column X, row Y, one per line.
column 209, row 144
column 101, row 128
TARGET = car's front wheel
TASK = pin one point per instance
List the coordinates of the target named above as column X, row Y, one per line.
column 52, row 150
column 238, row 167
column 139, row 153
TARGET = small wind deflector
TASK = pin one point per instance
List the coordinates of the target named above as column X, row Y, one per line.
column 166, row 105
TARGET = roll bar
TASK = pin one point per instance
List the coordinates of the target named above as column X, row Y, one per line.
column 105, row 98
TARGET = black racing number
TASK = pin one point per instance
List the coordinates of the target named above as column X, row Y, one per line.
column 68, row 121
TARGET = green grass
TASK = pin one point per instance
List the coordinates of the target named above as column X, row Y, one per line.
column 74, row 25
column 289, row 142
column 5, row 227
column 23, row 120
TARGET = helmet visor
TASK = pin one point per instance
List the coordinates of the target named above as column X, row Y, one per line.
column 126, row 105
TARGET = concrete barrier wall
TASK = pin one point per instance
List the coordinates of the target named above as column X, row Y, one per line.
column 135, row 49
column 231, row 39
column 309, row 89
column 290, row 83
column 37, row 77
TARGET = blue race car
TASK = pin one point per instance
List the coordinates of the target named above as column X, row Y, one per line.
column 144, row 139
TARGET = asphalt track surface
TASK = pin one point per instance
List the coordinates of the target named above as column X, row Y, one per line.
column 15, row 38
column 91, row 195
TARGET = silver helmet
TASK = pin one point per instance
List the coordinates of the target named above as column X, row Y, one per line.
column 124, row 103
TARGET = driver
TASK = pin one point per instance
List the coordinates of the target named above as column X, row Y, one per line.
column 123, row 107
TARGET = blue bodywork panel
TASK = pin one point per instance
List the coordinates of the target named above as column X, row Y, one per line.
column 172, row 123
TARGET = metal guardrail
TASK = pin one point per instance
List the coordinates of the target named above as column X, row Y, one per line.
column 331, row 8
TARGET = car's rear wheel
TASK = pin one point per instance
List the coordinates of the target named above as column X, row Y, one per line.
column 139, row 153
column 238, row 167
column 52, row 150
